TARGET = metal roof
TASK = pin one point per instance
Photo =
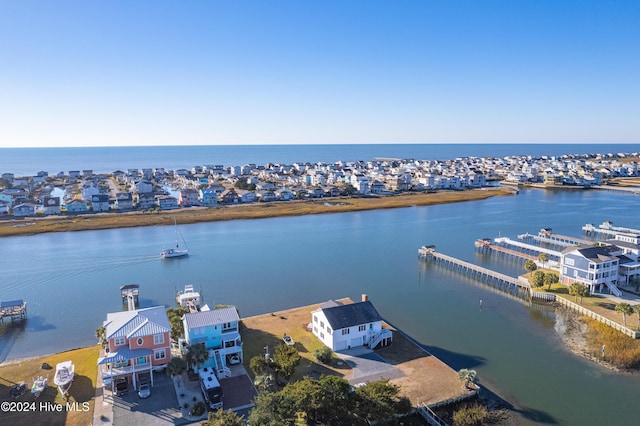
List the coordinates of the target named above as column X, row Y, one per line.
column 122, row 324
column 214, row 317
column 124, row 353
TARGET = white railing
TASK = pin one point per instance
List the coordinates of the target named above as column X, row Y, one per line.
column 377, row 338
column 613, row 288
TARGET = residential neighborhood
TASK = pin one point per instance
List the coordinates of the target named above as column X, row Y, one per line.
column 78, row 192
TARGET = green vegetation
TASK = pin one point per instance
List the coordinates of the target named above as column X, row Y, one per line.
column 101, row 335
column 470, row 415
column 329, row 400
column 284, row 361
column 197, row 354
column 530, row 265
column 467, row 376
column 323, row 354
column 175, row 319
column 576, row 289
column 223, row 418
column 176, row 366
column 625, row 309
column 198, row 409
column 537, row 279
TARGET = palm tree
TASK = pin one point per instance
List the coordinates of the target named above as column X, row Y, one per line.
column 530, row 265
column 197, row 354
column 625, row 309
column 543, row 257
column 636, row 309
column 467, row 376
column 576, row 290
column 176, row 366
column 101, row 335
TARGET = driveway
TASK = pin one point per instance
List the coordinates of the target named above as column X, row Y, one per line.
column 367, row 366
column 161, row 408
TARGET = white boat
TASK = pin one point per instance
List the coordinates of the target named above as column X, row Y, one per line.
column 189, row 298
column 177, row 251
column 39, row 385
column 64, row 375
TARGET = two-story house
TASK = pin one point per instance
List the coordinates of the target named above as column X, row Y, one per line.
column 344, row 326
column 138, row 343
column 218, row 330
column 593, row 266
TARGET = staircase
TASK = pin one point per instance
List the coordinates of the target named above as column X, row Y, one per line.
column 613, row 288
column 221, row 368
column 377, row 338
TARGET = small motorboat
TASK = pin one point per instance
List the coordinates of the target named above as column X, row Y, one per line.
column 39, row 385
column 64, row 376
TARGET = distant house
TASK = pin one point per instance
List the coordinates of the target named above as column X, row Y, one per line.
column 137, row 345
column 144, row 186
column 593, row 266
column 285, row 195
column 218, row 330
column 124, row 201
column 345, row 326
column 100, row 203
column 4, row 208
column 229, row 196
column 247, row 196
column 167, row 202
column 24, row 210
column 77, row 206
column 51, row 205
column 208, row 197
column 13, row 196
column 146, row 200
column 188, row 197
column 266, row 196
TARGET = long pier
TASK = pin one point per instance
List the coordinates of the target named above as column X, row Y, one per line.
column 563, row 239
column 485, row 244
column 608, row 229
column 531, row 248
column 493, row 278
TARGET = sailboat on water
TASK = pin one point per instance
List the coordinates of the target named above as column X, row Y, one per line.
column 177, row 251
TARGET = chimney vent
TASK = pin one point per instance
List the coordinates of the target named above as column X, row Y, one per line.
column 365, row 297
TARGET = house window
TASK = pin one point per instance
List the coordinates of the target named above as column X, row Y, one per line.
column 321, row 335
column 159, row 355
column 141, row 360
column 345, row 331
column 569, row 262
column 158, row 339
column 315, row 330
column 362, row 327
column 328, row 330
column 315, row 318
column 321, row 324
column 140, row 341
column 118, row 341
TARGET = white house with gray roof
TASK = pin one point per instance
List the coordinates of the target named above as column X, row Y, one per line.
column 344, row 326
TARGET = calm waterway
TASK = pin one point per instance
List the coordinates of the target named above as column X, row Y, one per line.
column 71, row 280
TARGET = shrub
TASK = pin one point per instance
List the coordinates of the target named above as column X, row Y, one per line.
column 323, row 354
column 470, row 415
column 198, row 409
column 185, row 405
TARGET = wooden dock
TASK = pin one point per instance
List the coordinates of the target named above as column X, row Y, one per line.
column 492, row 278
column 485, row 244
column 528, row 248
column 129, row 294
column 13, row 309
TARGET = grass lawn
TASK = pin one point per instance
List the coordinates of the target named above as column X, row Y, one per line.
column 82, row 390
column 598, row 304
column 267, row 330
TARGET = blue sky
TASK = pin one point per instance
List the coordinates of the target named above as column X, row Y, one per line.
column 78, row 73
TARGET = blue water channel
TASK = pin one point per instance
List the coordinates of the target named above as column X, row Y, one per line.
column 71, row 280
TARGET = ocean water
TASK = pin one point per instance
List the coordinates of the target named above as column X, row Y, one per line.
column 29, row 161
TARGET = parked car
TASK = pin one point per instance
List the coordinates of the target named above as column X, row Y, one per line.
column 121, row 387
column 234, row 359
column 144, row 391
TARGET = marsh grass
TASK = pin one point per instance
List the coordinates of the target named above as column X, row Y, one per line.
column 620, row 350
column 66, row 223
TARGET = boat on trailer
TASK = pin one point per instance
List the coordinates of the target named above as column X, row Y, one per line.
column 64, row 376
column 39, row 385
